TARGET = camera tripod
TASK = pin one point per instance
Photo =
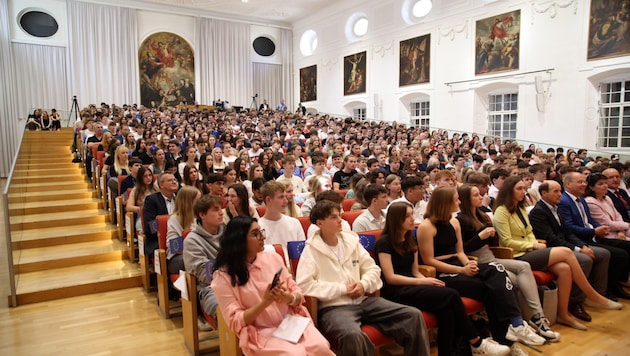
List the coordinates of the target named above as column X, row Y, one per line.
column 254, row 105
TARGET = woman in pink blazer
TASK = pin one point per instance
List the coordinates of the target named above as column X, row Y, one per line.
column 602, row 208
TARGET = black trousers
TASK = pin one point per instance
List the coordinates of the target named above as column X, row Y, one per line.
column 494, row 288
column 619, row 268
column 445, row 304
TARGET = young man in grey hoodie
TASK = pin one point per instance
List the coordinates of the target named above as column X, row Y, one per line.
column 201, row 247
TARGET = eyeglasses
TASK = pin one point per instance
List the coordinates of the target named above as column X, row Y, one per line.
column 259, row 234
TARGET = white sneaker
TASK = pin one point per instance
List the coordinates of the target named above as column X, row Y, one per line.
column 490, row 347
column 524, row 334
column 515, row 350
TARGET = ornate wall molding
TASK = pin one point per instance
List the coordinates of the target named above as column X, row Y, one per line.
column 330, row 62
column 383, row 49
column 552, row 8
column 452, row 32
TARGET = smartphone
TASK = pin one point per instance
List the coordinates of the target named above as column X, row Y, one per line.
column 276, row 278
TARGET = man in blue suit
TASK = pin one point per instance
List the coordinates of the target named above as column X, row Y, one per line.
column 578, row 220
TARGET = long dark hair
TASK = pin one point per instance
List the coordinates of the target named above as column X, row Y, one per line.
column 242, row 176
column 396, row 214
column 243, row 196
column 232, row 256
column 506, row 195
column 470, row 215
column 204, row 170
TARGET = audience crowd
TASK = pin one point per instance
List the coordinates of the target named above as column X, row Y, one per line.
column 438, row 197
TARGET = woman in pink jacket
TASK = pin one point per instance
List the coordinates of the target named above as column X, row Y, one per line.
column 602, row 208
column 242, row 283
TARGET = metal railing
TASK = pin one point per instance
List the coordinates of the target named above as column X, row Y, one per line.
column 7, row 223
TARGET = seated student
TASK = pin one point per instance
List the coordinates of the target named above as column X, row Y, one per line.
column 238, row 204
column 372, row 218
column 288, row 164
column 181, row 219
column 130, row 181
column 336, row 198
column 120, row 167
column 215, row 183
column 143, row 188
column 440, row 241
column 318, row 170
column 252, row 307
column 445, row 178
column 292, row 210
column 280, row 228
column 316, row 186
column 477, row 234
column 201, row 246
column 414, row 190
column 192, row 178
column 337, row 163
column 393, row 186
column 339, row 272
column 354, row 180
column 341, row 179
column 497, row 177
column 396, row 254
column 256, row 198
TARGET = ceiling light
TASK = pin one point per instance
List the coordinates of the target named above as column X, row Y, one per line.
column 422, row 8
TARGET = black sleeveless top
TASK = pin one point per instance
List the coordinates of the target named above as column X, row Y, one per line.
column 445, row 239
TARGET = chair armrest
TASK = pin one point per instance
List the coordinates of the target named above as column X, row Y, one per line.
column 427, row 271
column 312, row 305
column 502, row 252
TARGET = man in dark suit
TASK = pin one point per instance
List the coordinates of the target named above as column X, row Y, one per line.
column 578, row 220
column 618, row 196
column 549, row 225
column 264, row 105
column 160, row 203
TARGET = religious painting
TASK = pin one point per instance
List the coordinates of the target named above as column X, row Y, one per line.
column 308, row 84
column 415, row 55
column 167, row 71
column 609, row 29
column 497, row 43
column 354, row 67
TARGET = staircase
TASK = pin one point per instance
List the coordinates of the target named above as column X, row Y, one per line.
column 63, row 242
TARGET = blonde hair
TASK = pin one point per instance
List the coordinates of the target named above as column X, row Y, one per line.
column 118, row 167
column 184, row 205
column 292, row 209
column 440, row 207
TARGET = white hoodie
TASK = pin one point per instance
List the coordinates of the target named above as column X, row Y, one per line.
column 322, row 276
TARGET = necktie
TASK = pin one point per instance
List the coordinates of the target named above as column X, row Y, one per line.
column 582, row 212
column 625, row 203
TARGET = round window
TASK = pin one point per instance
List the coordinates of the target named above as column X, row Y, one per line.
column 38, row 24
column 264, row 46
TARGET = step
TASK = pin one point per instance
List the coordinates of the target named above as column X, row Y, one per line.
column 51, row 178
column 38, row 172
column 67, row 282
column 16, row 196
column 55, row 155
column 53, row 236
column 49, row 186
column 68, row 255
column 38, row 221
column 40, row 207
column 65, row 163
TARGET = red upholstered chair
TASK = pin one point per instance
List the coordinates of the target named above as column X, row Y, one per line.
column 261, row 210
column 343, row 192
column 350, row 216
column 305, row 221
column 347, row 203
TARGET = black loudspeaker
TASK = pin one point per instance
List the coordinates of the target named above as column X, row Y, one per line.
column 38, row 22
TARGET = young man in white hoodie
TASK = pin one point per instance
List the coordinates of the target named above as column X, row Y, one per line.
column 339, row 272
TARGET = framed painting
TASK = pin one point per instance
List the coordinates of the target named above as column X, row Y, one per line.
column 354, row 67
column 497, row 43
column 415, row 60
column 167, row 70
column 609, row 29
column 308, row 83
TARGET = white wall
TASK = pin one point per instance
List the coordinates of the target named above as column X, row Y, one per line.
column 553, row 35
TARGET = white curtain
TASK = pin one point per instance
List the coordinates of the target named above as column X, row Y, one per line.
column 286, row 46
column 10, row 127
column 103, row 47
column 268, row 83
column 227, row 48
column 42, row 73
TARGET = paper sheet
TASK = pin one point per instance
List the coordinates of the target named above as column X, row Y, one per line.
column 180, row 284
column 291, row 328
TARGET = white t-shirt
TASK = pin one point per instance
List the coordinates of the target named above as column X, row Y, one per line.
column 282, row 231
